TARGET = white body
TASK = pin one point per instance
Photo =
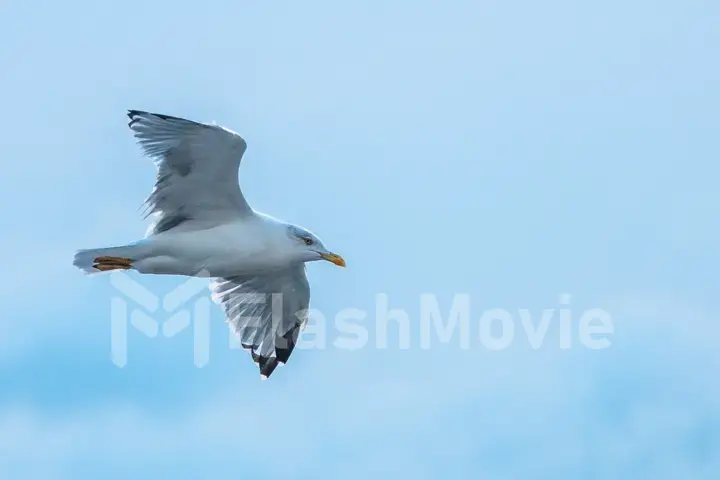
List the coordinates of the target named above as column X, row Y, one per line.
column 257, row 244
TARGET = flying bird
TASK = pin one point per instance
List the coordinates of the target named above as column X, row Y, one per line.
column 204, row 227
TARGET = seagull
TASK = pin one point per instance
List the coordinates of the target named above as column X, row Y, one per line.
column 203, row 227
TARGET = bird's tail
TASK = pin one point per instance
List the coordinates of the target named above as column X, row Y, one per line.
column 97, row 260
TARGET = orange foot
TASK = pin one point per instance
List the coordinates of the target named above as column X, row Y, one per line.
column 105, row 264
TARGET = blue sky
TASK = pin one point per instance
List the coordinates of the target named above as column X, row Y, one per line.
column 513, row 151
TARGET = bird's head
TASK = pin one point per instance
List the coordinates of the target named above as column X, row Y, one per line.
column 310, row 248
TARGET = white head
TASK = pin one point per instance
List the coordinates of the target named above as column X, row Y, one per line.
column 307, row 247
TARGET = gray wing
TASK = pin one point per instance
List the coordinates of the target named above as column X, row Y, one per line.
column 267, row 312
column 197, row 171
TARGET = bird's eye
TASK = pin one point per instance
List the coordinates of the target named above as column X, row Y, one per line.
column 308, row 241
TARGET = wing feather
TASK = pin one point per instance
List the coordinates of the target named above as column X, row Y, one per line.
column 267, row 312
column 197, row 171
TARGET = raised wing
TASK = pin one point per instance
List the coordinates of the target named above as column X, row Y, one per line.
column 267, row 312
column 197, row 176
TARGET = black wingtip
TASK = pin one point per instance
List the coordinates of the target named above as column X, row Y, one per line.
column 267, row 366
column 134, row 114
column 285, row 344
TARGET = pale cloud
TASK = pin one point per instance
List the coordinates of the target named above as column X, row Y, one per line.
column 640, row 409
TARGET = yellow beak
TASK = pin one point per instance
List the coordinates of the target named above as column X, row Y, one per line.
column 333, row 258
